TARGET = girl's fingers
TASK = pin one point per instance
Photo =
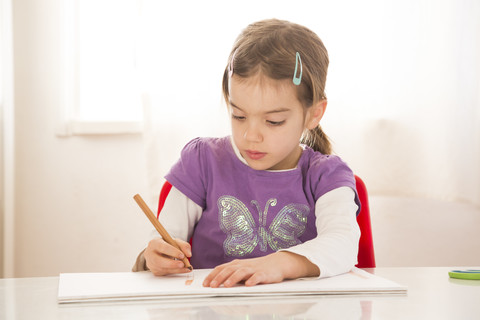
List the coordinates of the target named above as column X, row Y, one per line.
column 255, row 279
column 227, row 275
column 237, row 276
column 165, row 262
column 162, row 265
column 185, row 247
column 208, row 278
column 162, row 258
column 161, row 247
column 212, row 275
column 253, row 271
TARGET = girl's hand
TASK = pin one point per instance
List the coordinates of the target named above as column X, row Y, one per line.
column 162, row 258
column 272, row 268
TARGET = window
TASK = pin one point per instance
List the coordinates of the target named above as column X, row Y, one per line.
column 101, row 92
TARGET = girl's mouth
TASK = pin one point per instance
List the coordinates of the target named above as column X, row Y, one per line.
column 255, row 155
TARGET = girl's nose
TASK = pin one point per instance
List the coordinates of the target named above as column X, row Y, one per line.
column 253, row 134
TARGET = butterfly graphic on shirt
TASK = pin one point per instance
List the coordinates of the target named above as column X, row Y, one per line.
column 243, row 235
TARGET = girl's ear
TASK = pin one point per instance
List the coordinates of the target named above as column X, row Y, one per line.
column 315, row 114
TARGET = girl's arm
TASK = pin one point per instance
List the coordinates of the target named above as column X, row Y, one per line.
column 333, row 251
column 179, row 215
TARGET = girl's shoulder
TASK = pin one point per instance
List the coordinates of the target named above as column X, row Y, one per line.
column 192, row 173
column 324, row 173
column 206, row 146
column 315, row 160
column 207, row 142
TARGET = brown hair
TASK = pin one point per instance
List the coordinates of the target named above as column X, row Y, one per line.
column 269, row 47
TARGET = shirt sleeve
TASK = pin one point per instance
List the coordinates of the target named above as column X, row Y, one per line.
column 335, row 248
column 188, row 174
column 179, row 215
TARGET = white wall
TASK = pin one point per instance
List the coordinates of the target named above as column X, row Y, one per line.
column 419, row 232
column 73, row 209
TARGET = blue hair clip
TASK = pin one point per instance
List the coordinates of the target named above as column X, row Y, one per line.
column 297, row 80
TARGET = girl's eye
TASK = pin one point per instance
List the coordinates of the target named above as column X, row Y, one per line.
column 275, row 123
column 237, row 117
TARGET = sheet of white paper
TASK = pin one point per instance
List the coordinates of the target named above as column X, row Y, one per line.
column 76, row 287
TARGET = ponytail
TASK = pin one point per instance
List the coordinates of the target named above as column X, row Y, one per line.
column 317, row 140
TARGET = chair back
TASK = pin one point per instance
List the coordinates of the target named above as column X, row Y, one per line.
column 366, row 253
column 163, row 196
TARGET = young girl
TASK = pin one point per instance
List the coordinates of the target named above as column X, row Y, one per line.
column 269, row 202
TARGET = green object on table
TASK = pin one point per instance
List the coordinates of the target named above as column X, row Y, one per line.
column 465, row 274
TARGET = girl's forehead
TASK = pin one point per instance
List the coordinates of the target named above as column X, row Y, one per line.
column 261, row 81
column 261, row 91
column 262, row 86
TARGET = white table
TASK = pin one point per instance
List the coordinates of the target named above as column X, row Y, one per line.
column 431, row 295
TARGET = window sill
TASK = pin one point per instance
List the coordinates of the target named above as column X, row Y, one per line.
column 74, row 128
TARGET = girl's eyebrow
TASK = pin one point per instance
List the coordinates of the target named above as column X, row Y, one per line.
column 234, row 105
column 268, row 112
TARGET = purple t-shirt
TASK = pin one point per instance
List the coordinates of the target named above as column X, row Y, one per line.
column 249, row 213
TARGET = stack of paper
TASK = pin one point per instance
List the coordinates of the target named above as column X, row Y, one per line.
column 78, row 287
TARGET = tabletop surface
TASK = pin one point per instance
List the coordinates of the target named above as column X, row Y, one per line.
column 431, row 295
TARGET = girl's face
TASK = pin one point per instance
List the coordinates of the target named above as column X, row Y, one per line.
column 268, row 121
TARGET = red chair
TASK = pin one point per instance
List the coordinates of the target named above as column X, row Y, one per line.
column 366, row 254
column 163, row 196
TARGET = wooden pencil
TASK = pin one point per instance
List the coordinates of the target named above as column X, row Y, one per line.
column 159, row 227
